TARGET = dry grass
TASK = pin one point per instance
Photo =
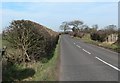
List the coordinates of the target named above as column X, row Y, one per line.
column 113, row 47
column 48, row 71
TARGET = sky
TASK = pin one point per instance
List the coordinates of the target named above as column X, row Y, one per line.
column 60, row 0
column 52, row 14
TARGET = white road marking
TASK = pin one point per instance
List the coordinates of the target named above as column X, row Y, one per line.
column 74, row 43
column 78, row 46
column 107, row 64
column 86, row 51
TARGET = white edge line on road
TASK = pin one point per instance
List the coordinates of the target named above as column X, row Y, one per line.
column 107, row 64
column 86, row 51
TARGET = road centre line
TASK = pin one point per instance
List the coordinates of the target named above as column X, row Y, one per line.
column 86, row 51
column 78, row 46
column 83, row 49
column 107, row 64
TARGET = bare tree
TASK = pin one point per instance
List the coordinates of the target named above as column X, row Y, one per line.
column 110, row 29
column 76, row 23
column 64, row 26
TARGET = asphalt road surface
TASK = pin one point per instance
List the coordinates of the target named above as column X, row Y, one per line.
column 85, row 62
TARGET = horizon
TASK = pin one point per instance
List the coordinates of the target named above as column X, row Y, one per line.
column 53, row 14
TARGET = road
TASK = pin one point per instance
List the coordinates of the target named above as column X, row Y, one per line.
column 85, row 62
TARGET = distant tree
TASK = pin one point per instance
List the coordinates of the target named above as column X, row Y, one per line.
column 76, row 23
column 76, row 26
column 64, row 26
column 74, row 29
column 86, row 29
column 110, row 29
column 94, row 28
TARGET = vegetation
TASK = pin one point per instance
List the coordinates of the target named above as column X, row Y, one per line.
column 94, row 34
column 32, row 42
column 114, row 46
column 45, row 71
column 64, row 26
column 99, row 36
column 29, row 45
column 30, row 53
column 75, row 27
column 50, row 70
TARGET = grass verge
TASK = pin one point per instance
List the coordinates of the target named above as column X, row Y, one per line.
column 113, row 47
column 48, row 71
column 37, row 71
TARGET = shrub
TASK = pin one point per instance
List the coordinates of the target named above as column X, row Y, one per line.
column 34, row 41
column 98, row 36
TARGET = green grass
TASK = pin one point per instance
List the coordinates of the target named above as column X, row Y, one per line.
column 37, row 71
column 113, row 47
column 48, row 71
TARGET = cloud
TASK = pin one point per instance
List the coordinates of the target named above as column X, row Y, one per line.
column 42, row 17
column 52, row 14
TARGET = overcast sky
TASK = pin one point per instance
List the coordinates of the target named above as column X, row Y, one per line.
column 52, row 14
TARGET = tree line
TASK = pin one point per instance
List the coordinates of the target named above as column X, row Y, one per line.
column 79, row 29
